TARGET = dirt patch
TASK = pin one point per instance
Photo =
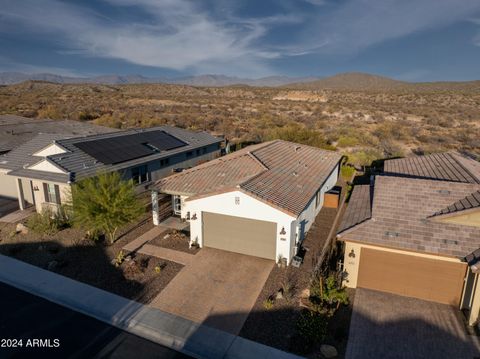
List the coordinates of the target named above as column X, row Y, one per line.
column 68, row 253
column 176, row 240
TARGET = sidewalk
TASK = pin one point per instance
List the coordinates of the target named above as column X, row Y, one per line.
column 160, row 327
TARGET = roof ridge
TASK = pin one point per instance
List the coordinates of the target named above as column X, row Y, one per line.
column 451, row 153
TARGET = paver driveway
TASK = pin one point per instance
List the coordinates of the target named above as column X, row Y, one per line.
column 216, row 288
column 389, row 326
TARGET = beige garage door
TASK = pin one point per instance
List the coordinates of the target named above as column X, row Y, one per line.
column 411, row 276
column 240, row 235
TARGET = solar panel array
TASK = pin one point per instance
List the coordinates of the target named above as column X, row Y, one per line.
column 129, row 147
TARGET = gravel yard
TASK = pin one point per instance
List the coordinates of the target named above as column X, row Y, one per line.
column 68, row 253
column 176, row 240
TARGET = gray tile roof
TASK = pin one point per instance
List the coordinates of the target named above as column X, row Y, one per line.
column 16, row 130
column 449, row 166
column 79, row 164
column 400, row 211
column 284, row 174
column 469, row 202
column 359, row 207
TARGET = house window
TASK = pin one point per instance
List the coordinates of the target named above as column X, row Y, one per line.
column 198, row 152
column 140, row 174
column 204, row 150
column 189, row 154
column 52, row 193
column 177, row 205
column 165, row 162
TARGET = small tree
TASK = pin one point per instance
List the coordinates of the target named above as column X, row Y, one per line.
column 104, row 203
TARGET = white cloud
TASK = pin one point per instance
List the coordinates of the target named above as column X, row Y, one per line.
column 179, row 35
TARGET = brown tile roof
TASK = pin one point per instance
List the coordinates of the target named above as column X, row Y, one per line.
column 284, row 174
column 400, row 211
column 469, row 202
column 449, row 166
column 359, row 207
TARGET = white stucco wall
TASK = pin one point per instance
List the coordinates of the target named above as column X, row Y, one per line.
column 248, row 207
column 307, row 217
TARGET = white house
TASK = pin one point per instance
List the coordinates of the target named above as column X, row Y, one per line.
column 258, row 201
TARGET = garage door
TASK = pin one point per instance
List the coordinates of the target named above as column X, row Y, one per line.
column 411, row 276
column 240, row 235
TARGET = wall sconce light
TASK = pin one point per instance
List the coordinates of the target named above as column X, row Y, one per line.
column 194, row 217
column 35, row 188
column 351, row 254
column 283, row 232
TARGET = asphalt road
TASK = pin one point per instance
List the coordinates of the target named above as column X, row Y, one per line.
column 64, row 333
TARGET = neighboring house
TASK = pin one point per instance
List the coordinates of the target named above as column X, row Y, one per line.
column 17, row 130
column 44, row 168
column 258, row 201
column 415, row 231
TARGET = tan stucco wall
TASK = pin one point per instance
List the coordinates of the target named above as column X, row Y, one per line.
column 475, row 308
column 467, row 219
column 351, row 265
column 65, row 194
column 8, row 186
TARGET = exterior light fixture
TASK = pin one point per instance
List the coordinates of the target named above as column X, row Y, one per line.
column 351, row 254
column 35, row 188
column 283, row 232
column 194, row 217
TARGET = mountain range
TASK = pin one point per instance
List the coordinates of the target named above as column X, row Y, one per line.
column 9, row 78
column 353, row 81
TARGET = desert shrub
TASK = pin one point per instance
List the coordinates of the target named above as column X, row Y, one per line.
column 299, row 134
column 312, row 327
column 268, row 303
column 47, row 222
column 347, row 141
column 347, row 172
column 328, row 292
column 365, row 157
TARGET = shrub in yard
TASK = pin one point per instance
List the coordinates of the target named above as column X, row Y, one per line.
column 104, row 203
column 312, row 327
column 119, row 259
column 47, row 222
column 347, row 172
column 328, row 294
column 268, row 303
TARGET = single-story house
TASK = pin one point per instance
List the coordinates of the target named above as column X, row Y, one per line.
column 415, row 231
column 44, row 168
column 258, row 201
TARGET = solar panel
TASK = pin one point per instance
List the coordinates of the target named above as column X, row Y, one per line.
column 124, row 148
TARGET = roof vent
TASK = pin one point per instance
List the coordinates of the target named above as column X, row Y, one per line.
column 450, row 241
column 295, row 173
column 297, row 148
column 392, row 234
column 444, row 191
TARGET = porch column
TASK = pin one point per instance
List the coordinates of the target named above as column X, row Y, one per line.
column 21, row 197
column 475, row 308
column 155, row 214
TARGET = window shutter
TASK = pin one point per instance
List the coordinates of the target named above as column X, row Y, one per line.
column 57, row 194
column 45, row 192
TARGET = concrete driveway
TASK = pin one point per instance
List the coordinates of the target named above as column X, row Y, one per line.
column 216, row 288
column 389, row 326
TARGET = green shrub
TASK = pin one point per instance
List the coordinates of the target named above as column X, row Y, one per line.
column 347, row 141
column 328, row 293
column 312, row 326
column 48, row 222
column 347, row 172
column 268, row 303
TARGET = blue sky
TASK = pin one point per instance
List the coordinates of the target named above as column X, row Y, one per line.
column 414, row 40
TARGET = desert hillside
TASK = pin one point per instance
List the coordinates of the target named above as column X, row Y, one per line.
column 366, row 124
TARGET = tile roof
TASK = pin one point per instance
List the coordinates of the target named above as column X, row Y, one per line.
column 79, row 164
column 359, row 207
column 400, row 211
column 16, row 130
column 469, row 202
column 449, row 166
column 284, row 174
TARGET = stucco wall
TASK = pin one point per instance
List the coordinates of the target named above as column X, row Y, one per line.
column 248, row 207
column 472, row 218
column 65, row 194
column 8, row 186
column 307, row 217
column 351, row 264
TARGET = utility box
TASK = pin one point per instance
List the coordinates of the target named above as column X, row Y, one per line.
column 331, row 198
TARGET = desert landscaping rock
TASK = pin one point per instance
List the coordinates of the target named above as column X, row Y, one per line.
column 21, row 228
column 328, row 351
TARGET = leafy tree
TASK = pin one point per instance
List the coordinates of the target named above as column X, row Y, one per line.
column 104, row 203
